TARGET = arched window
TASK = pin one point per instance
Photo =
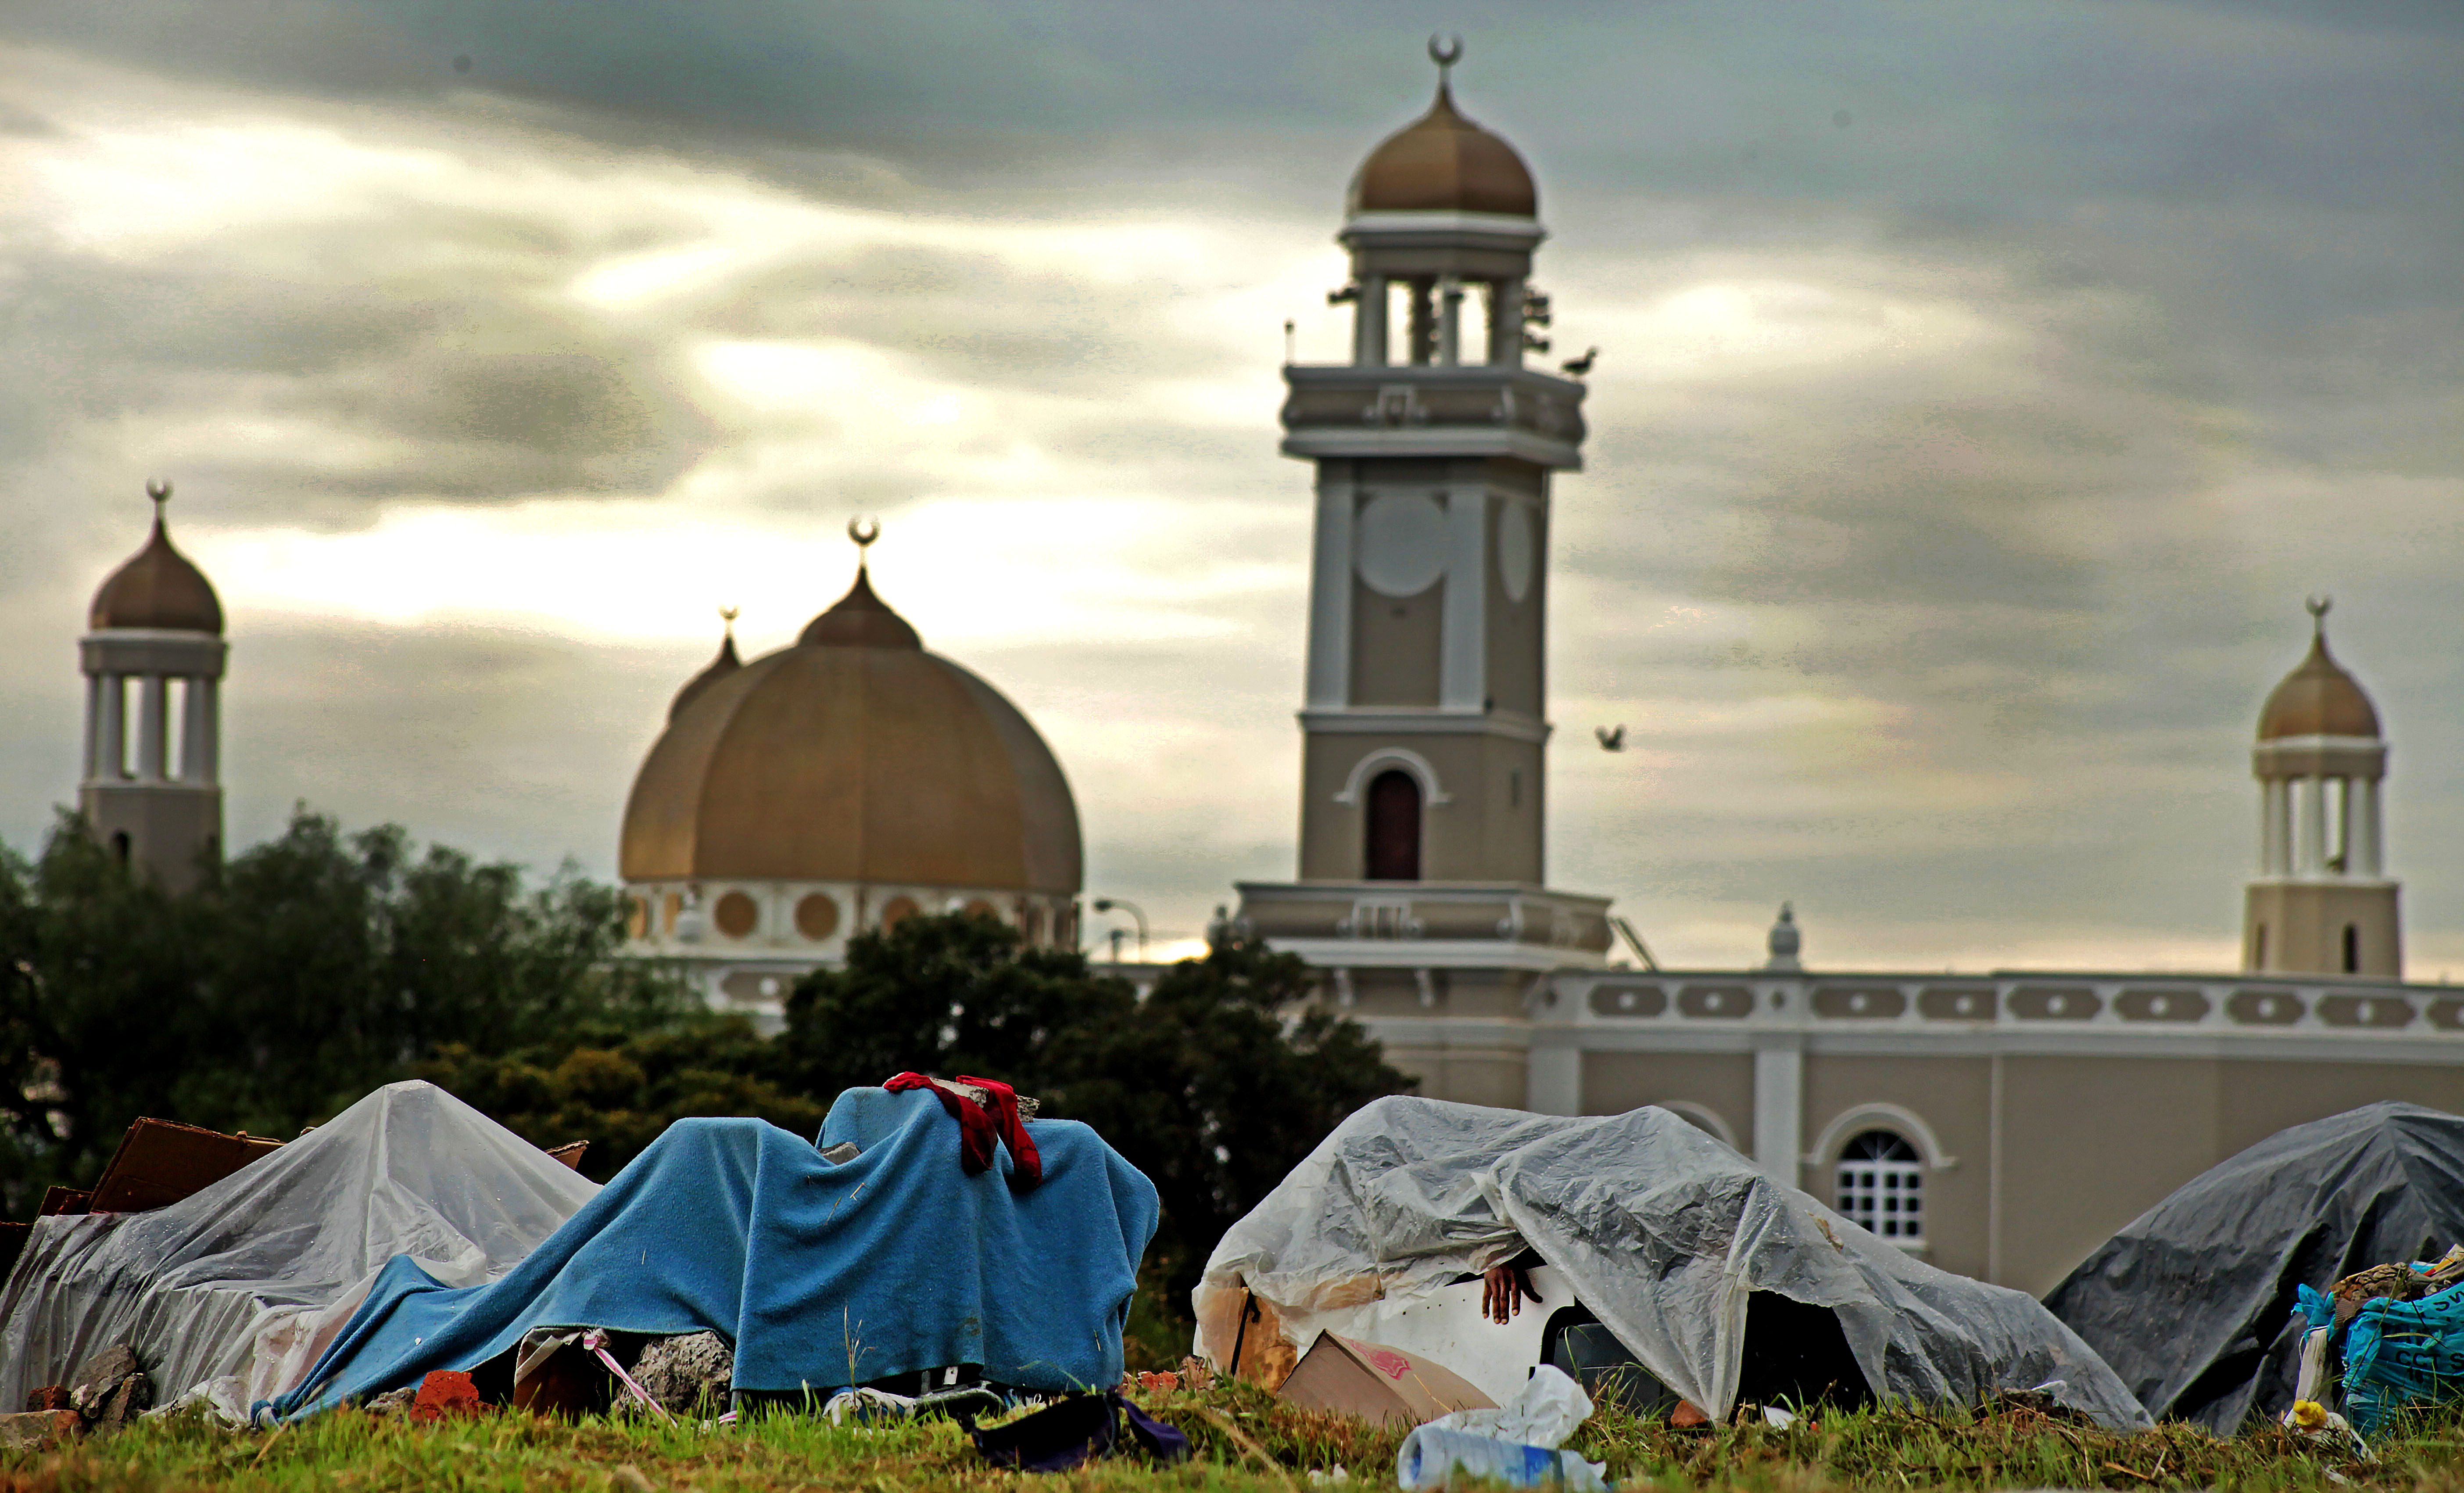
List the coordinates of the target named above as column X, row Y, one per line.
column 1394, row 827
column 1881, row 1185
column 2352, row 949
column 2258, row 949
column 120, row 846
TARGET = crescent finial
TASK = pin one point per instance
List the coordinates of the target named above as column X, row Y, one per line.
column 2319, row 606
column 864, row 531
column 158, row 490
column 1444, row 51
column 728, row 614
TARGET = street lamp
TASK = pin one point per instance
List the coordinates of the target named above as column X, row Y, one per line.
column 1108, row 904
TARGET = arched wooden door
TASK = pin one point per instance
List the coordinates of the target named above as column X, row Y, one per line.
column 1394, row 827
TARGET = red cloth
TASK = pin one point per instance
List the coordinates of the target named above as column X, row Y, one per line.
column 978, row 1128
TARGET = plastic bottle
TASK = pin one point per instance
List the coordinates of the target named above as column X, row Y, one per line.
column 1435, row 1458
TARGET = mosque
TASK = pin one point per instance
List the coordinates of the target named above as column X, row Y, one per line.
column 1999, row 1125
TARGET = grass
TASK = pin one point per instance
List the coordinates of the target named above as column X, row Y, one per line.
column 1840, row 1452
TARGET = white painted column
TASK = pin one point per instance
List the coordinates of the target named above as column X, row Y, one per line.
column 2367, row 852
column 152, row 688
column 212, row 736
column 1462, row 659
column 1450, row 296
column 195, row 728
column 2314, row 827
column 1506, row 322
column 2282, row 789
column 111, row 730
column 1556, row 1082
column 93, row 725
column 1779, row 1104
column 1368, row 322
column 1330, row 586
column 2341, row 837
column 2271, row 826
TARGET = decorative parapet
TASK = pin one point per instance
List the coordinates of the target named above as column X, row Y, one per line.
column 1427, row 923
column 1433, row 411
column 2009, row 1002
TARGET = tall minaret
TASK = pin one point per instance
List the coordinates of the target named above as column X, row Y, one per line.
column 1425, row 720
column 2322, row 902
column 151, row 789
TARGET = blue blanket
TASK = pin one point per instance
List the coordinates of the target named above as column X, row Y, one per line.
column 822, row 1275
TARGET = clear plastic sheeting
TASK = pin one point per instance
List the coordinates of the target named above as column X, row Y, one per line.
column 1659, row 1230
column 231, row 1293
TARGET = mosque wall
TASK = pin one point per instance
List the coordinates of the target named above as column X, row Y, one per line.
column 1943, row 1105
column 1715, row 1090
column 1482, row 814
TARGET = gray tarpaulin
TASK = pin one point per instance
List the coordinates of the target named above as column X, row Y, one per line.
column 2193, row 1302
column 225, row 1293
column 1661, row 1232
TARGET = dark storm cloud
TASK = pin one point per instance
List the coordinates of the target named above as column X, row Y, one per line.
column 1982, row 620
column 472, row 390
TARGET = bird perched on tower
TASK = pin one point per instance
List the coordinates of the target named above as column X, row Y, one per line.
column 1577, row 368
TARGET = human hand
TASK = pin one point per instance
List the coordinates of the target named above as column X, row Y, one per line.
column 1502, row 1290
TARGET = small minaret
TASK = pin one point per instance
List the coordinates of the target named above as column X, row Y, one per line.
column 1425, row 720
column 153, row 661
column 1784, row 941
column 2322, row 902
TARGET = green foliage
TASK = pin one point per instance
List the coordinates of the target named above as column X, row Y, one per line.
column 947, row 995
column 309, row 971
column 618, row 1092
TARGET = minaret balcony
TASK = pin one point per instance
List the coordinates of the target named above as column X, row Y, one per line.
column 1478, row 409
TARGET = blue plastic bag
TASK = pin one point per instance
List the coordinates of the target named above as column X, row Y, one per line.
column 2403, row 1355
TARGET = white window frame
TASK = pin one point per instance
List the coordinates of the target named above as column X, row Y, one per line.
column 1884, row 1196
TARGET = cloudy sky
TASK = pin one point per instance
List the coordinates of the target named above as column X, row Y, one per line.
column 1982, row 388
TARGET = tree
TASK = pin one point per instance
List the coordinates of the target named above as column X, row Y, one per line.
column 618, row 1091
column 309, row 971
column 946, row 996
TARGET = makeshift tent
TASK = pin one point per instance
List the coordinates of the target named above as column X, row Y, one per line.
column 1675, row 1243
column 222, row 1294
column 823, row 1273
column 2192, row 1302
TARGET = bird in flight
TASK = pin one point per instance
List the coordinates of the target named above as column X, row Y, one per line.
column 1610, row 740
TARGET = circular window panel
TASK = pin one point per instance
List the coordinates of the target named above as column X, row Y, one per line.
column 817, row 916
column 737, row 915
column 1515, row 551
column 895, row 909
column 1402, row 543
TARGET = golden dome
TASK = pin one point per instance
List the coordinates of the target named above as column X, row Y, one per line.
column 718, row 668
column 853, row 756
column 2318, row 698
column 157, row 587
column 1444, row 162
